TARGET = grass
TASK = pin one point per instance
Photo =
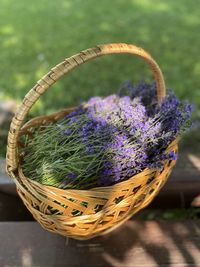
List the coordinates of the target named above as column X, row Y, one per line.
column 36, row 35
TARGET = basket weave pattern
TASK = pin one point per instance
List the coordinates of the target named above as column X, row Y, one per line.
column 82, row 214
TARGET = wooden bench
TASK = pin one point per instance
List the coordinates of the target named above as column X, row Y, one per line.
column 136, row 243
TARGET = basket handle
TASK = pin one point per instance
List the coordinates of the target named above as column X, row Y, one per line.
column 58, row 71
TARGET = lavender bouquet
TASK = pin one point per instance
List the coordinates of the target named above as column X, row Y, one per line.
column 107, row 140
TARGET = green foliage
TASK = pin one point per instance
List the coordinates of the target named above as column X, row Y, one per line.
column 51, row 157
column 169, row 214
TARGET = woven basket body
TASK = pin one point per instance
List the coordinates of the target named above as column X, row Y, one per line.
column 82, row 214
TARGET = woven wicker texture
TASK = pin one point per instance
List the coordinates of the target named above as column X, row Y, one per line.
column 81, row 214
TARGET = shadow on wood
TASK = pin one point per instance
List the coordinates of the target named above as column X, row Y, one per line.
column 138, row 243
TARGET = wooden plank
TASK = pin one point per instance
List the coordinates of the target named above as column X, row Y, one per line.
column 13, row 209
column 6, row 184
column 139, row 243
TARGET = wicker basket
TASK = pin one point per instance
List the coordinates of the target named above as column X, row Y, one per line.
column 105, row 208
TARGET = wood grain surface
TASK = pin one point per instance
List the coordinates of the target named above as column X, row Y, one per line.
column 139, row 243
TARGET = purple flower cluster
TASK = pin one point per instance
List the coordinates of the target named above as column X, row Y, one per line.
column 128, row 133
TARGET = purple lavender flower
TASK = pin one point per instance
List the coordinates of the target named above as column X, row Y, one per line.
column 173, row 155
column 128, row 133
column 67, row 132
column 71, row 175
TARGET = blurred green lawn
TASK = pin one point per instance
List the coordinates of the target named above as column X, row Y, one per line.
column 36, row 35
